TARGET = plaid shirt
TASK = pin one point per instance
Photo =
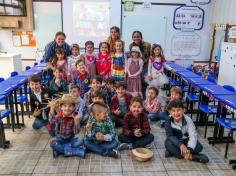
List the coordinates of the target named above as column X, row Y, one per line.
column 152, row 106
column 65, row 127
column 132, row 123
column 106, row 128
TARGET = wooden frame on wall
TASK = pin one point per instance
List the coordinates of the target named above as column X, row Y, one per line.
column 20, row 23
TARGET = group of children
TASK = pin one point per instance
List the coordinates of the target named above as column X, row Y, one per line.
column 113, row 99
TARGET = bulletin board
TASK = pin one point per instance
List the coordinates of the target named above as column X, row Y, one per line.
column 23, row 39
column 156, row 33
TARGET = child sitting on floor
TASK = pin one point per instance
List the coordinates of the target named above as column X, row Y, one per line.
column 58, row 84
column 100, row 132
column 152, row 105
column 81, row 78
column 96, row 84
column 120, row 104
column 109, row 89
column 175, row 94
column 39, row 99
column 80, row 106
column 136, row 130
column 67, row 124
column 181, row 136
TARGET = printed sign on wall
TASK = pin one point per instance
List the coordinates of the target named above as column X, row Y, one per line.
column 188, row 17
column 201, row 2
column 186, row 44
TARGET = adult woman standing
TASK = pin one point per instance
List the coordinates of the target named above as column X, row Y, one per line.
column 145, row 49
column 114, row 35
column 58, row 42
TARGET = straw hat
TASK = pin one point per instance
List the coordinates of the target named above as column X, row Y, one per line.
column 136, row 49
column 67, row 98
column 142, row 154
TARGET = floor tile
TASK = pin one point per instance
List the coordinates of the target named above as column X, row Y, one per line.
column 188, row 173
column 145, row 174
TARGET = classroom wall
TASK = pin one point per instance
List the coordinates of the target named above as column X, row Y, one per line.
column 167, row 11
column 224, row 11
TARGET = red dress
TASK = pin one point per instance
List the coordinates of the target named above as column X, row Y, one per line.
column 103, row 65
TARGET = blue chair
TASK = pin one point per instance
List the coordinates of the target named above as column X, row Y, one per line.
column 14, row 73
column 36, row 63
column 211, row 79
column 199, row 73
column 189, row 69
column 1, row 79
column 27, row 68
column 230, row 88
column 21, row 99
column 191, row 99
column 230, row 124
column 41, row 61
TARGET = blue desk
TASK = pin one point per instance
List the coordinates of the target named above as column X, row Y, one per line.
column 2, row 97
column 41, row 65
column 199, row 81
column 215, row 90
column 229, row 102
column 16, row 80
column 28, row 73
column 180, row 69
column 188, row 74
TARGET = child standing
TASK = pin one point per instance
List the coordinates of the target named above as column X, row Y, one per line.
column 80, row 106
column 103, row 62
column 100, row 134
column 66, row 126
column 136, row 130
column 156, row 63
column 181, row 136
column 152, row 105
column 58, row 84
column 39, row 100
column 134, row 70
column 118, row 68
column 120, row 104
column 89, row 58
column 60, row 61
column 75, row 55
column 81, row 78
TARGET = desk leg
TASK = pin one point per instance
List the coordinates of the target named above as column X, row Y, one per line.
column 12, row 112
column 16, row 107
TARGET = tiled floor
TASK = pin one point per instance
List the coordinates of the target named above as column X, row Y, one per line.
column 30, row 154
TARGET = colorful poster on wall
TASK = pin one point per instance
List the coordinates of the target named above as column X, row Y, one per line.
column 188, row 17
column 201, row 2
column 23, row 39
column 232, row 32
column 186, row 44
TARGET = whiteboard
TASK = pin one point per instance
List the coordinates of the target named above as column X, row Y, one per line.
column 153, row 28
column 47, row 19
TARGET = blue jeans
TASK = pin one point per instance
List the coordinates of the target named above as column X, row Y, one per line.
column 59, row 143
column 101, row 148
column 175, row 151
column 164, row 116
column 154, row 116
column 135, row 141
column 37, row 124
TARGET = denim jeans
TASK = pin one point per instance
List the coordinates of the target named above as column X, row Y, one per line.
column 59, row 143
column 175, row 151
column 118, row 120
column 154, row 116
column 101, row 148
column 135, row 141
column 37, row 124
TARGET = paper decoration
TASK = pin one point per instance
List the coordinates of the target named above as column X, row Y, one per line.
column 23, row 39
column 201, row 2
column 147, row 4
column 232, row 32
column 188, row 17
column 129, row 5
column 186, row 44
